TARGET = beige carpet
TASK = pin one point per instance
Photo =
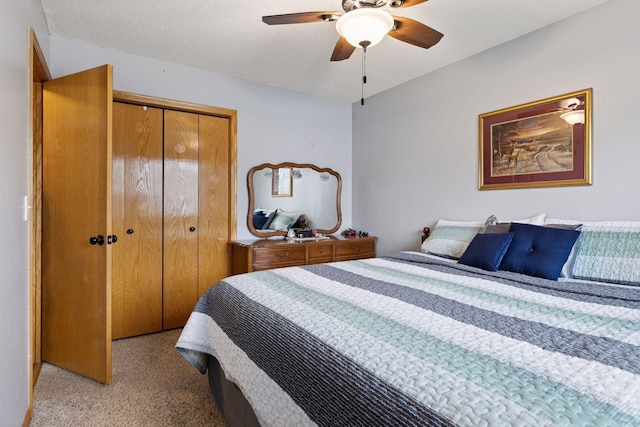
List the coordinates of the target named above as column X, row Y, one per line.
column 152, row 385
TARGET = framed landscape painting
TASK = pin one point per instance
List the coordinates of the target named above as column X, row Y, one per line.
column 544, row 143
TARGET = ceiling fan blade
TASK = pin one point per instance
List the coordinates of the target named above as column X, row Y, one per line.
column 343, row 50
column 405, row 3
column 300, row 18
column 415, row 33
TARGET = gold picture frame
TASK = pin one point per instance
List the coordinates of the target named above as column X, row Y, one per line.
column 545, row 143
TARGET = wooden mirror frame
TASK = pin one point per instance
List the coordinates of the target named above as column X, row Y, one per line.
column 252, row 207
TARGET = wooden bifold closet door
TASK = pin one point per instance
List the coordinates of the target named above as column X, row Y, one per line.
column 214, row 201
column 137, row 220
column 196, row 210
column 171, row 214
column 180, row 216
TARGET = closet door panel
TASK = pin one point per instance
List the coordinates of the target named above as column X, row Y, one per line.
column 180, row 217
column 137, row 220
column 214, row 201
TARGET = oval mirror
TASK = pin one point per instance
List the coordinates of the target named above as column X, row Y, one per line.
column 292, row 195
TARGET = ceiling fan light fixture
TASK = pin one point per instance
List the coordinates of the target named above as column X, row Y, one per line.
column 364, row 27
column 573, row 117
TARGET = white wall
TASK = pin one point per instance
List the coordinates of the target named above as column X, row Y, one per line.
column 415, row 147
column 15, row 140
column 274, row 125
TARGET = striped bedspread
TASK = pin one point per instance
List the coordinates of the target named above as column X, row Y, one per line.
column 409, row 340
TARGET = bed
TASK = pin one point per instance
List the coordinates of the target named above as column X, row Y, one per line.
column 435, row 337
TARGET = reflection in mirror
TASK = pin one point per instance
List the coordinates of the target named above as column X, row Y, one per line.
column 310, row 199
column 281, row 182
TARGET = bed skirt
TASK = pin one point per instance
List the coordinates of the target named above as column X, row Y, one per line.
column 230, row 400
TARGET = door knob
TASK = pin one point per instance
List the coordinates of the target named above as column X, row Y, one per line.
column 192, row 229
column 99, row 240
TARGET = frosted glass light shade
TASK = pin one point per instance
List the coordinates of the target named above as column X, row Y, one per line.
column 364, row 25
column 573, row 117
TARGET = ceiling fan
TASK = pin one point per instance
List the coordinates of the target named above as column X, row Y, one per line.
column 364, row 23
column 572, row 111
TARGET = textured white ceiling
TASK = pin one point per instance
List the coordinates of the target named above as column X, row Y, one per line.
column 229, row 37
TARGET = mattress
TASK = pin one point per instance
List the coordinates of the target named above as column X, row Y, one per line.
column 412, row 340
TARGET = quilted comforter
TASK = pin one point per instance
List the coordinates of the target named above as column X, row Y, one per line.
column 409, row 340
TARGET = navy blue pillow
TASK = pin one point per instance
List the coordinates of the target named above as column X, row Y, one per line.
column 538, row 251
column 259, row 219
column 486, row 251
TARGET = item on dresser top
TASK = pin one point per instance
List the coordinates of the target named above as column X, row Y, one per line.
column 349, row 232
column 303, row 233
column 309, row 239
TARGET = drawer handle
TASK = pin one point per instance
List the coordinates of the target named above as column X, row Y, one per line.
column 357, row 248
column 321, row 251
column 282, row 255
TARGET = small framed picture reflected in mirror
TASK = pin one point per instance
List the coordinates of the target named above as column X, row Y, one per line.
column 281, row 182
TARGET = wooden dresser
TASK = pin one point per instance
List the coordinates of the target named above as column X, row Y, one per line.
column 264, row 254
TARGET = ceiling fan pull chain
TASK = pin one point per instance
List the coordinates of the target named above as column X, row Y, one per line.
column 364, row 72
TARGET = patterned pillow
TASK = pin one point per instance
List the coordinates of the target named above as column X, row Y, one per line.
column 607, row 251
column 270, row 218
column 451, row 238
column 284, row 220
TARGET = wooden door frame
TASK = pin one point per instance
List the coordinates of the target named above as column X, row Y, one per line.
column 38, row 73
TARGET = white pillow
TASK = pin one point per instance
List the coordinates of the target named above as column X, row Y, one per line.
column 534, row 220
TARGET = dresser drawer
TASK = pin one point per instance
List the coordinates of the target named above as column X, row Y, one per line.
column 320, row 253
column 278, row 257
column 266, row 254
column 356, row 249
